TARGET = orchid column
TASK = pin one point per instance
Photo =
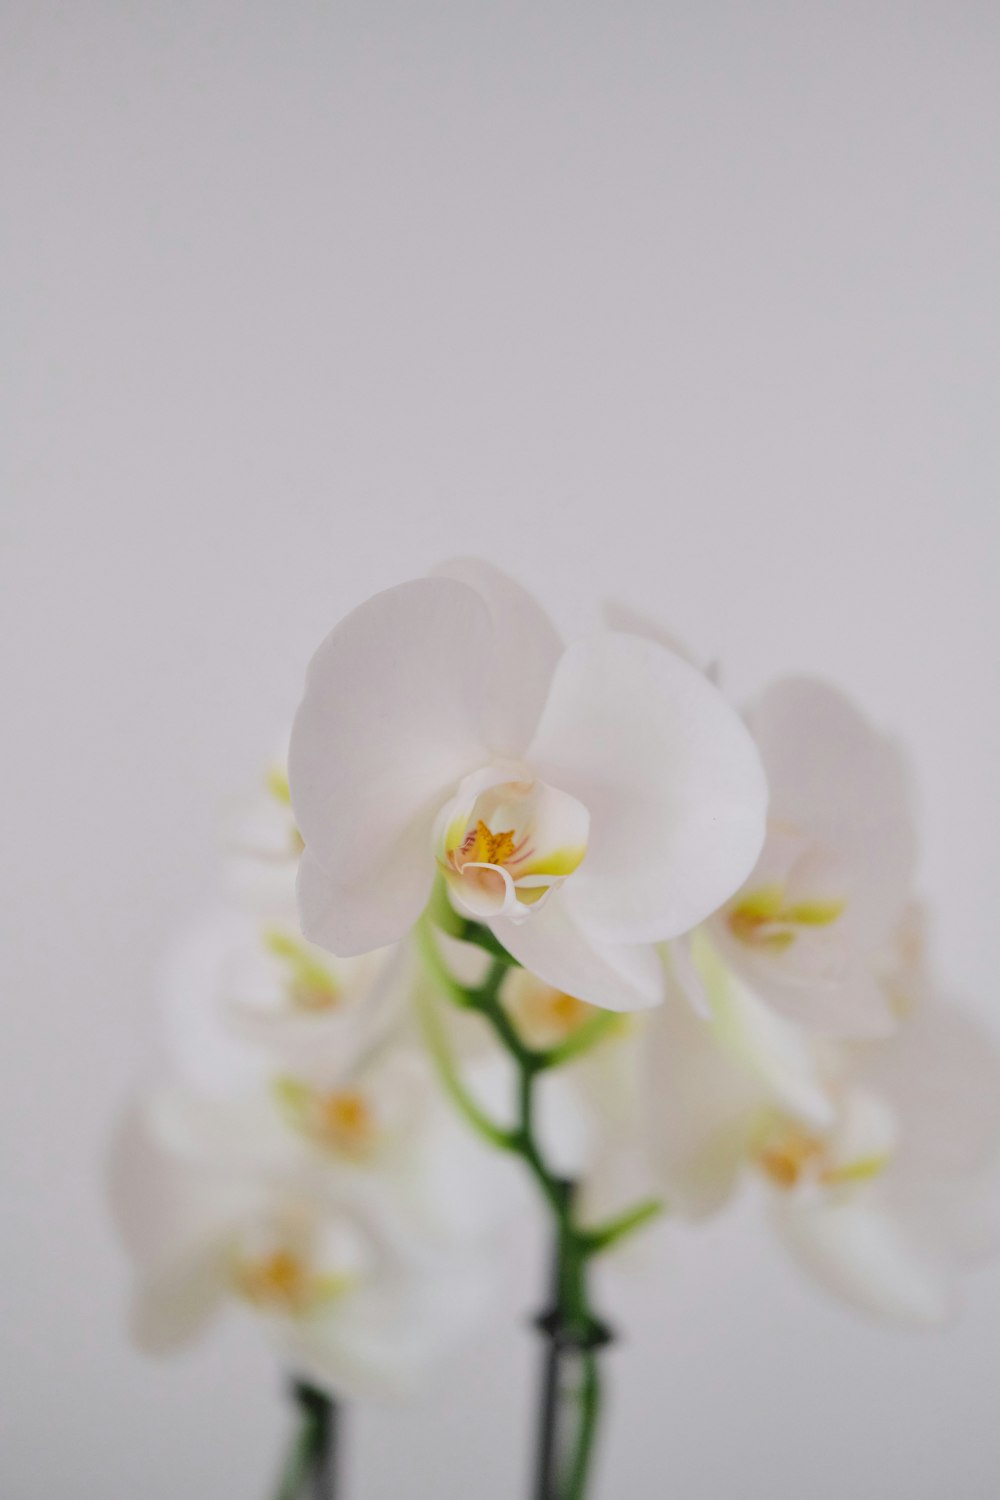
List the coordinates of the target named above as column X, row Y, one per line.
column 576, row 807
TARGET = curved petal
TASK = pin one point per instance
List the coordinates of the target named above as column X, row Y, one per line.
column 349, row 918
column 857, row 1252
column 773, row 1051
column 702, row 1108
column 381, row 1339
column 628, row 621
column 177, row 1304
column 844, row 787
column 525, row 652
column 551, row 945
column 672, row 781
column 389, row 723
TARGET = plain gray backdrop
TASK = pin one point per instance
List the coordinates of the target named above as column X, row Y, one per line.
column 691, row 304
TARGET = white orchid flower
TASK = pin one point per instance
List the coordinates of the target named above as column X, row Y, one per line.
column 245, row 994
column 266, row 1083
column 808, row 926
column 585, row 802
column 881, row 1159
column 346, row 1305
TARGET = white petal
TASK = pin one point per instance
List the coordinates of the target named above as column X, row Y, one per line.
column 389, row 724
column 941, row 1075
column 671, row 779
column 843, row 785
column 857, row 1252
column 163, row 1209
column 525, row 652
column 778, row 1054
column 354, row 917
column 380, row 1341
column 702, row 1108
column 550, row 944
column 172, row 1308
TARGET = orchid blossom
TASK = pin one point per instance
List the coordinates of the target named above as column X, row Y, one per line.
column 583, row 802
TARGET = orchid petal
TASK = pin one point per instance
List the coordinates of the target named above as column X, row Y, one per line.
column 388, row 725
column 858, row 1252
column 670, row 777
column 550, row 944
column 526, row 648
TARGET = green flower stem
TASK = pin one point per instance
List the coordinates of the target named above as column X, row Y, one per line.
column 436, row 1040
column 572, row 1325
column 309, row 1461
column 606, row 1235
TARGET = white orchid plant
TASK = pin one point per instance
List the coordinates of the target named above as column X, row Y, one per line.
column 565, row 921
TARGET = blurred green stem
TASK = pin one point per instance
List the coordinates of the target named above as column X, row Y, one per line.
column 571, row 1326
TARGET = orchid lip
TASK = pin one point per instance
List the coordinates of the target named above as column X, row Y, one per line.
column 505, row 841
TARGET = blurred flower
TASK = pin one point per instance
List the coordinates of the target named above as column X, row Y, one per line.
column 267, row 1082
column 346, row 1303
column 881, row 1158
column 808, row 927
column 585, row 803
column 245, row 994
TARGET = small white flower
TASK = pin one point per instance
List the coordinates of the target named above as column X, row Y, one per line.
column 345, row 1303
column 586, row 802
column 809, row 925
column 245, row 995
column 881, row 1158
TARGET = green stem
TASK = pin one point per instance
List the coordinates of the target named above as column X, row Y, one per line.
column 302, row 1457
column 590, row 1411
column 436, row 1040
column 606, row 1235
column 576, row 1324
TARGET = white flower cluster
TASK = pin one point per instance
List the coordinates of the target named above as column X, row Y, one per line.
column 597, row 820
column 302, row 1159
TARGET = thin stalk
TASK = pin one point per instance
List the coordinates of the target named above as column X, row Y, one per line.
column 309, row 1467
column 570, row 1417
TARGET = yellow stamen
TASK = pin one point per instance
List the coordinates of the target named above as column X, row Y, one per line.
column 488, row 848
column 785, row 1155
column 278, row 1281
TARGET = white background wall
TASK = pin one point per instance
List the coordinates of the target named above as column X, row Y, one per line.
column 694, row 304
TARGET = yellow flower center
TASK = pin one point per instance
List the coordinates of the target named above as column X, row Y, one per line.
column 277, row 1281
column 787, row 1153
column 341, row 1120
column 280, row 1281
column 765, row 919
column 482, row 846
column 344, row 1121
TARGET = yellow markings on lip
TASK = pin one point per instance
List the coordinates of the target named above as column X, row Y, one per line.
column 861, row 1170
column 280, row 1282
column 310, row 984
column 276, row 781
column 762, row 920
column 339, row 1120
column 786, row 1152
column 784, row 1155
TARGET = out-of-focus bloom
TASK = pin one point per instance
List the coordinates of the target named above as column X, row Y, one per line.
column 346, row 1302
column 809, row 925
column 881, row 1158
column 245, row 995
column 586, row 802
column 265, row 1081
